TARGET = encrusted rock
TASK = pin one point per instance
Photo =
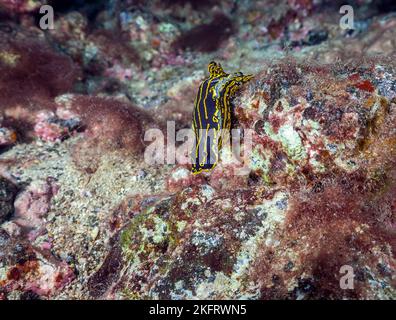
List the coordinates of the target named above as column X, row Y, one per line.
column 7, row 195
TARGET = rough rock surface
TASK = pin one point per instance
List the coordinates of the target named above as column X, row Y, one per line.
column 7, row 195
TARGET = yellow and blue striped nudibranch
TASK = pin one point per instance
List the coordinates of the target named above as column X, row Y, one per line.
column 212, row 115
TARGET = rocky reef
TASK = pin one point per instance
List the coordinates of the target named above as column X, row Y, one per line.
column 83, row 215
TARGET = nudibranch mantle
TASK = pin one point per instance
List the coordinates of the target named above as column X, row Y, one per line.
column 212, row 115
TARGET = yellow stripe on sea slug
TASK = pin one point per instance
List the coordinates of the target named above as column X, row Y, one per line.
column 199, row 101
column 205, row 99
column 205, row 145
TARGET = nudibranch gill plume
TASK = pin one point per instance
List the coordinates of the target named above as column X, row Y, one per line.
column 212, row 115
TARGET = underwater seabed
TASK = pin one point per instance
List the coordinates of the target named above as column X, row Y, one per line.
column 83, row 215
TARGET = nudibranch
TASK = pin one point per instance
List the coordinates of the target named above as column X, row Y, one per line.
column 212, row 115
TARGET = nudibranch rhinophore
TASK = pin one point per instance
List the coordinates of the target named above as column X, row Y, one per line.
column 212, row 115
